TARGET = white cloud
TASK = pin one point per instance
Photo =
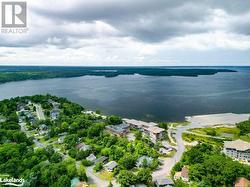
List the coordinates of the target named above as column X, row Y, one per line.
column 127, row 33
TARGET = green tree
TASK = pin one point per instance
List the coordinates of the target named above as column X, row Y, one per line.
column 126, row 178
column 144, row 176
column 98, row 166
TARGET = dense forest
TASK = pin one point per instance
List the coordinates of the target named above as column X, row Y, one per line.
column 12, row 73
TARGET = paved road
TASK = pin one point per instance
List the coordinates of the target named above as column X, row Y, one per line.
column 195, row 122
column 39, row 112
column 94, row 179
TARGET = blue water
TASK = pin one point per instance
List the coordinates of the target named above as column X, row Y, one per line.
column 145, row 97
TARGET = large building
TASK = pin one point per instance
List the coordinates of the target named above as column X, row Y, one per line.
column 149, row 128
column 237, row 149
column 119, row 130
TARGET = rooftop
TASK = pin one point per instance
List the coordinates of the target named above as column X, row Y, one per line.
column 184, row 172
column 237, row 144
column 155, row 129
column 111, row 165
column 242, row 182
column 163, row 182
column 101, row 159
column 118, row 128
column 139, row 123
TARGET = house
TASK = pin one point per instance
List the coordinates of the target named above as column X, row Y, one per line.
column 144, row 160
column 138, row 185
column 237, row 149
column 82, row 147
column 74, row 182
column 43, row 127
column 164, row 183
column 155, row 133
column 101, row 159
column 91, row 157
column 61, row 139
column 21, row 106
column 110, row 166
column 183, row 174
column 165, row 151
column 242, row 182
column 119, row 130
column 139, row 124
column 54, row 113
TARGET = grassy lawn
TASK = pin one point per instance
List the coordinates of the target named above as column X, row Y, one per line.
column 192, row 137
column 228, row 132
column 175, row 124
column 105, row 175
column 171, row 154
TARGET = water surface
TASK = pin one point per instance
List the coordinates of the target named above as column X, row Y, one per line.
column 145, row 97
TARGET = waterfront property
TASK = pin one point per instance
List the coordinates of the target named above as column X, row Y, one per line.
column 155, row 133
column 119, row 130
column 237, row 149
column 149, row 128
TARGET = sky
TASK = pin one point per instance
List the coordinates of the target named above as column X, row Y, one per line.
column 131, row 33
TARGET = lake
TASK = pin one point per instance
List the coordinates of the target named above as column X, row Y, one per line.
column 149, row 98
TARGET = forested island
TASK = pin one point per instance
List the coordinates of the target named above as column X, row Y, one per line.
column 13, row 73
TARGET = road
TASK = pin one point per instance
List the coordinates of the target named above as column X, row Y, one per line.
column 195, row 122
column 94, row 179
column 39, row 112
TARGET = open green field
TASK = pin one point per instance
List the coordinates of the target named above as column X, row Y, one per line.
column 191, row 138
column 232, row 133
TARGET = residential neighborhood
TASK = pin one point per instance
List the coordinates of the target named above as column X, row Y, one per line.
column 113, row 148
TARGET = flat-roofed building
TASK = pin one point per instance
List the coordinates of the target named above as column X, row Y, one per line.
column 148, row 128
column 119, row 130
column 155, row 133
column 237, row 149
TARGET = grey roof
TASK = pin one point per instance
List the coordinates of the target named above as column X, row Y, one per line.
column 91, row 157
column 111, row 165
column 162, row 182
column 237, row 144
column 101, row 159
column 118, row 128
column 140, row 160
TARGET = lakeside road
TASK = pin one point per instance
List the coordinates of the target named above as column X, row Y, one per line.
column 196, row 122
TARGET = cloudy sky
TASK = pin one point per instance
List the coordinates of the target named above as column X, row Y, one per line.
column 129, row 32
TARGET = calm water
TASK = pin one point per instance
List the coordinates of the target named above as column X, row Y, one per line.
column 147, row 98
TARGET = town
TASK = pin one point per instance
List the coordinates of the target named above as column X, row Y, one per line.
column 99, row 150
